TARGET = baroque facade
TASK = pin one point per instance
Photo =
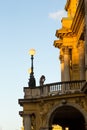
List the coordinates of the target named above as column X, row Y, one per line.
column 63, row 104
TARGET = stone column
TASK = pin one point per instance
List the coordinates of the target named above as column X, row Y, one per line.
column 81, row 60
column 66, row 64
column 62, row 67
column 85, row 3
column 27, row 122
column 62, row 72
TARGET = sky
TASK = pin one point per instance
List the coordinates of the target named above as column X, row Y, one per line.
column 26, row 24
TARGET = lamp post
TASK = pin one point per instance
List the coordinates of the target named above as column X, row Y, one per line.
column 32, row 82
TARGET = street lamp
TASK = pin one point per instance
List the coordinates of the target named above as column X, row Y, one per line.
column 32, row 82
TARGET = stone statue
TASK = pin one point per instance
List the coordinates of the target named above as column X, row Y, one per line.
column 42, row 79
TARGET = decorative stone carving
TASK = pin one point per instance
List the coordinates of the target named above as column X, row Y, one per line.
column 80, row 102
column 33, row 122
column 44, row 110
column 64, row 101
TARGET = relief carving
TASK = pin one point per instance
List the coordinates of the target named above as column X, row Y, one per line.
column 44, row 109
column 80, row 102
column 33, row 122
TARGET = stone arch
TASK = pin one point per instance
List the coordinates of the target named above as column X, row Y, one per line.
column 73, row 106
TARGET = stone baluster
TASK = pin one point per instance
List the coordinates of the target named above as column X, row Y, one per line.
column 27, row 122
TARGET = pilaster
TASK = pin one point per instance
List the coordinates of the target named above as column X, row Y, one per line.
column 81, row 60
column 75, row 64
column 85, row 3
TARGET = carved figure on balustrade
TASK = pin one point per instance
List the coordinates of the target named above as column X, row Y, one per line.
column 42, row 80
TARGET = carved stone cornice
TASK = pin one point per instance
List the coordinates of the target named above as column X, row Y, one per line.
column 77, row 26
column 63, row 32
column 58, row 43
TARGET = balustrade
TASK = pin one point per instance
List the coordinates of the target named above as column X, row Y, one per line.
column 54, row 88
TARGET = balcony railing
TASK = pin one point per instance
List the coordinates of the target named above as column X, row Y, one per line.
column 57, row 88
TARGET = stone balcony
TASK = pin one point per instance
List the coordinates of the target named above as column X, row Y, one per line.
column 58, row 88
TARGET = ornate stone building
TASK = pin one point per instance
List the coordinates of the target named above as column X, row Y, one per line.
column 63, row 104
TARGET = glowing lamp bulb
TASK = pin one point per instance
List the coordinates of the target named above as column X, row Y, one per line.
column 32, row 51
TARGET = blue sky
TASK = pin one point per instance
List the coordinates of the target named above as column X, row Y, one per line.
column 26, row 24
